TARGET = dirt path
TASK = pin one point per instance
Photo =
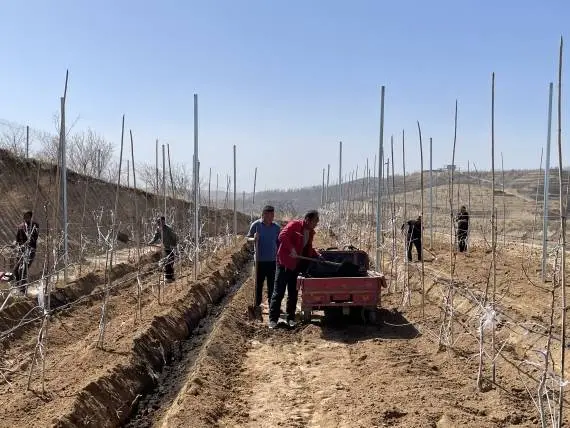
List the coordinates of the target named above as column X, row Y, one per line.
column 360, row 376
column 347, row 375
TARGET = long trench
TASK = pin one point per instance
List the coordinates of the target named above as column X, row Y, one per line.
column 151, row 406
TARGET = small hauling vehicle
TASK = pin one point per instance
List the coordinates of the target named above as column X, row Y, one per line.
column 341, row 283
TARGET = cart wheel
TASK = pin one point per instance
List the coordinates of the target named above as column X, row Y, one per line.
column 373, row 316
column 363, row 315
column 306, row 316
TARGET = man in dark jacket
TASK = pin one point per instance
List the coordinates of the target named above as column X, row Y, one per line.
column 27, row 235
column 265, row 233
column 414, row 237
column 462, row 228
column 169, row 240
column 295, row 239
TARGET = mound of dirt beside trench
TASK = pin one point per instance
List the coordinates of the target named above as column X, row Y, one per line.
column 108, row 401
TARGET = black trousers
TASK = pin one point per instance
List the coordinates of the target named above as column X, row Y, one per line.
column 22, row 268
column 265, row 272
column 462, row 239
column 285, row 280
column 417, row 242
column 168, row 264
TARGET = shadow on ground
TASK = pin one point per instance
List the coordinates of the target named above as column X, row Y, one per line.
column 392, row 325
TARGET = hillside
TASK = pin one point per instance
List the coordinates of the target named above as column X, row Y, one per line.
column 30, row 184
column 527, row 184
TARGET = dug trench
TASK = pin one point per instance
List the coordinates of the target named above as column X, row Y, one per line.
column 89, row 386
column 111, row 400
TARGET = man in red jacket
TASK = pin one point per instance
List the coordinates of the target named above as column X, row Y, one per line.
column 295, row 239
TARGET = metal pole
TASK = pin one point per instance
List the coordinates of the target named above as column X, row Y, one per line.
column 546, row 186
column 328, row 179
column 340, row 183
column 253, row 197
column 235, row 190
column 164, row 180
column 379, row 186
column 196, row 196
column 156, row 167
column 64, row 187
column 209, row 190
column 323, row 190
column 27, row 141
column 430, row 193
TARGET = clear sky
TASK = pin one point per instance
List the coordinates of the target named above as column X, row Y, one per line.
column 286, row 80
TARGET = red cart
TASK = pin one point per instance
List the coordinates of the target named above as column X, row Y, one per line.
column 333, row 294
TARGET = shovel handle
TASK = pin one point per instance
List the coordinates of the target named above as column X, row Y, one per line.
column 318, row 261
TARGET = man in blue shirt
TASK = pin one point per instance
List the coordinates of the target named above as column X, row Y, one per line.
column 265, row 233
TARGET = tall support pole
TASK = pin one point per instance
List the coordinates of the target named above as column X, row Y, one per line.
column 235, row 193
column 339, row 183
column 563, row 305
column 137, row 228
column 379, row 184
column 64, row 188
column 156, row 169
column 253, row 197
column 493, row 225
column 323, row 190
column 196, row 194
column 27, row 141
column 546, row 186
column 328, row 180
column 209, row 210
column 468, row 188
column 64, row 180
column 164, row 179
column 430, row 192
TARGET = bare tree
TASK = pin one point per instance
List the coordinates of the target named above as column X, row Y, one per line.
column 13, row 139
column 89, row 153
column 49, row 146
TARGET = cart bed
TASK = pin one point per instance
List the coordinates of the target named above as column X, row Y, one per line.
column 361, row 291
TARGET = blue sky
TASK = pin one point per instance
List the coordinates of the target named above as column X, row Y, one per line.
column 285, row 81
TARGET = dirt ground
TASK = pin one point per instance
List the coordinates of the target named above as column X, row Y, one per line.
column 354, row 375
column 73, row 362
column 235, row 372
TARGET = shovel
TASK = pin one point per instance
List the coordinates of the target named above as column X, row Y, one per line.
column 346, row 268
column 253, row 312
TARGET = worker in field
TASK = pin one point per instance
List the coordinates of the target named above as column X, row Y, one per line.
column 413, row 237
column 295, row 239
column 265, row 233
column 462, row 220
column 27, row 234
column 169, row 240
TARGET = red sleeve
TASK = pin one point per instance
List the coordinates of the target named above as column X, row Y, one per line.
column 285, row 237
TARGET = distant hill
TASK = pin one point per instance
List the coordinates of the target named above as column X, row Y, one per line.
column 527, row 184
